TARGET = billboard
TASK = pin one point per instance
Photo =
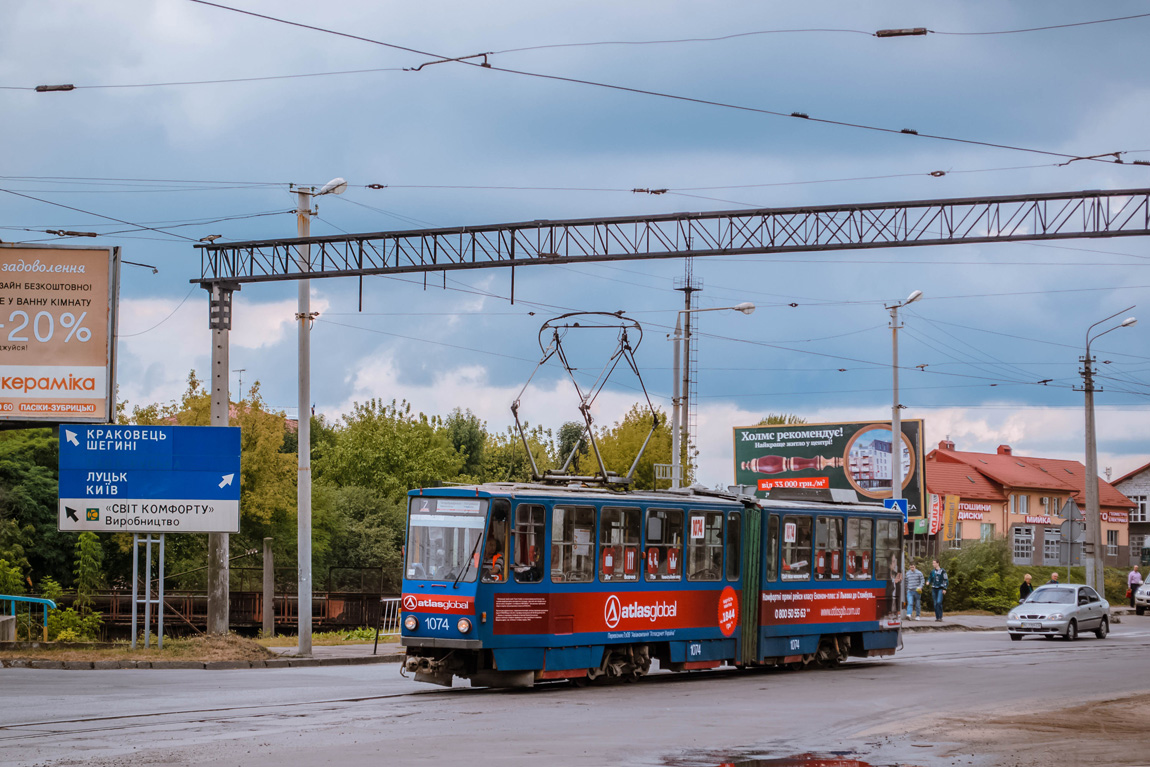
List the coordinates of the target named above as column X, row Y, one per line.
column 57, row 333
column 854, row 455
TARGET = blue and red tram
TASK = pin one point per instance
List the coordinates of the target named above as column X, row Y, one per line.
column 510, row 584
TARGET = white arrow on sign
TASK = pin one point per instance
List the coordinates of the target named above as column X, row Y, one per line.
column 227, row 480
column 71, row 437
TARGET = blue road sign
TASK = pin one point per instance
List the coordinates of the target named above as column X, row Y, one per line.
column 897, row 503
column 150, row 479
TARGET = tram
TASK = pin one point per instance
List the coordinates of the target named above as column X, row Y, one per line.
column 509, row 584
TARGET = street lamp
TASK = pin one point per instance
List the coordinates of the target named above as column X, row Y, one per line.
column 1093, row 555
column 678, row 419
column 303, row 481
column 895, row 415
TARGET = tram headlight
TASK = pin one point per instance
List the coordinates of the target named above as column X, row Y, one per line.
column 411, row 623
column 464, row 625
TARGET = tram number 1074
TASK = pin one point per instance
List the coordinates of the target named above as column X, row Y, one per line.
column 437, row 624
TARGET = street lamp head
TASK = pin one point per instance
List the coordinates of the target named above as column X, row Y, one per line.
column 335, row 186
column 746, row 307
column 1129, row 321
column 912, row 297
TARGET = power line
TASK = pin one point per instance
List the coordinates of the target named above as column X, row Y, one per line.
column 98, row 215
column 1042, row 29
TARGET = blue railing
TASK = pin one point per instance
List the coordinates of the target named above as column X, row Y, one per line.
column 47, row 603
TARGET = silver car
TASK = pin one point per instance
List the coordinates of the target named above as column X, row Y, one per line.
column 1064, row 609
column 1142, row 599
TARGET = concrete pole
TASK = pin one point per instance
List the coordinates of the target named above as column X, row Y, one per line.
column 303, row 484
column 269, row 590
column 676, row 401
column 895, row 415
column 685, row 395
column 1092, row 556
column 219, row 575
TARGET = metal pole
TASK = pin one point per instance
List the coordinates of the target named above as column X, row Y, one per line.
column 219, row 574
column 269, row 590
column 685, row 394
column 303, row 484
column 160, row 603
column 1093, row 555
column 135, row 582
column 148, row 591
column 676, row 458
column 895, row 415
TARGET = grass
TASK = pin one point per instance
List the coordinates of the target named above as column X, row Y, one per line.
column 203, row 649
column 331, row 638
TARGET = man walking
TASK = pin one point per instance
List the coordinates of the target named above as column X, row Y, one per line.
column 939, row 582
column 914, row 580
column 1133, row 581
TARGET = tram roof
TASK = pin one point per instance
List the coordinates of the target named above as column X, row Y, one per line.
column 695, row 495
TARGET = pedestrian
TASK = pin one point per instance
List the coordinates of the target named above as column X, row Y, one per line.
column 939, row 582
column 1053, row 580
column 914, row 580
column 1025, row 589
column 1133, row 581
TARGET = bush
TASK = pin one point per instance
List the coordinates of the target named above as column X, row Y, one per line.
column 69, row 626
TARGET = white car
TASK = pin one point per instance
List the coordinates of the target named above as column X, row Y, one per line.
column 1063, row 609
column 1142, row 599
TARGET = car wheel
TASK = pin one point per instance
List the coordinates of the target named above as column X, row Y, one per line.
column 1072, row 631
column 1139, row 610
column 1103, row 629
column 1016, row 637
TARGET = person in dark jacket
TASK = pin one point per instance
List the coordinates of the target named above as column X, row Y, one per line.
column 939, row 582
column 1025, row 589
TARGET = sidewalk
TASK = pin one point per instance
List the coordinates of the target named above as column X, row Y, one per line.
column 388, row 652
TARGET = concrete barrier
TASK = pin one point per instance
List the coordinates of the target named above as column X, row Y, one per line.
column 7, row 628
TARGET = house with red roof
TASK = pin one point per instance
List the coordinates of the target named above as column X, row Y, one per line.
column 1136, row 487
column 1027, row 498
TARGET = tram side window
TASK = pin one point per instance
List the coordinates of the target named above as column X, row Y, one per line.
column 664, row 553
column 734, row 544
column 772, row 552
column 528, row 565
column 572, row 544
column 828, row 548
column 886, row 549
column 619, row 545
column 797, row 548
column 494, row 564
column 705, row 546
column 860, row 535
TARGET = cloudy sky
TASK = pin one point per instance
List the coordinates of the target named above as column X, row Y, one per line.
column 190, row 120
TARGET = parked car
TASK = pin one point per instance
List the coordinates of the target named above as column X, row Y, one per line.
column 1142, row 599
column 1064, row 609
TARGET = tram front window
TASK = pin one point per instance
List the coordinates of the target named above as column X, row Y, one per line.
column 443, row 538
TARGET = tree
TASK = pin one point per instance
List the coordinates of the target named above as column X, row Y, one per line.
column 781, row 419
column 29, row 460
column 88, row 572
column 620, row 444
column 571, row 434
column 468, row 436
column 505, row 460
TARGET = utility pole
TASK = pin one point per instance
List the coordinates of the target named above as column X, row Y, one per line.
column 895, row 411
column 219, row 569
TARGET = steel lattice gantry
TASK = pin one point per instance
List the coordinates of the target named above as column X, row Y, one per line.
column 1063, row 215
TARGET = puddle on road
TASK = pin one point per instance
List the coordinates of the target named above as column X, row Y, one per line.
column 806, row 760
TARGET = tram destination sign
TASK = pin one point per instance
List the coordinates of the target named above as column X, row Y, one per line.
column 57, row 331
column 852, row 455
column 149, row 479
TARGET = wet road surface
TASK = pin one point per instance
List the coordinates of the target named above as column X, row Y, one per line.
column 367, row 714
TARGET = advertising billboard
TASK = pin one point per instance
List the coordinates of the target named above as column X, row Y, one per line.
column 57, row 333
column 854, row 456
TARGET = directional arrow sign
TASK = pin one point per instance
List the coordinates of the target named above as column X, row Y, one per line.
column 150, row 479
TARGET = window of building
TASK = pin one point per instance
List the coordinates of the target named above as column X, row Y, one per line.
column 528, row 565
column 956, row 541
column 828, row 548
column 618, row 545
column 664, row 554
column 572, row 544
column 705, row 546
column 1050, row 539
column 986, row 533
column 1022, row 545
column 888, row 546
column 734, row 544
column 1136, row 548
column 797, row 548
column 1111, row 543
column 772, row 552
column 860, row 542
column 1140, row 512
column 1022, row 504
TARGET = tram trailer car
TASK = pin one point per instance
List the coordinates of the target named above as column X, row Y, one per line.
column 510, row 584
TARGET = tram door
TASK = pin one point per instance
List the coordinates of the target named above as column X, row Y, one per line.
column 752, row 584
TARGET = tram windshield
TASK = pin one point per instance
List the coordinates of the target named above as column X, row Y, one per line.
column 443, row 538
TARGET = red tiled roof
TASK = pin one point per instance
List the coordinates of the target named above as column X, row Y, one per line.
column 1125, row 477
column 948, row 478
column 1033, row 474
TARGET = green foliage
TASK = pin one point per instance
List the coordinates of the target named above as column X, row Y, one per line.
column 468, row 436
column 49, row 589
column 505, row 460
column 620, row 444
column 28, row 481
column 571, row 433
column 11, row 579
column 781, row 419
column 71, row 626
column 89, row 574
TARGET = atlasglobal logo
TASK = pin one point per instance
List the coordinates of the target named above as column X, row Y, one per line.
column 615, row 611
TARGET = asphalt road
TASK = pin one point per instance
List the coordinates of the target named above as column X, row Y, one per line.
column 369, row 714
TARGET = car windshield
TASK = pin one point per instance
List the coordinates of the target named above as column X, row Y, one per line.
column 442, row 538
column 1053, row 596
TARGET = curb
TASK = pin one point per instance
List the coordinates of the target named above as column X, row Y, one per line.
column 220, row 665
